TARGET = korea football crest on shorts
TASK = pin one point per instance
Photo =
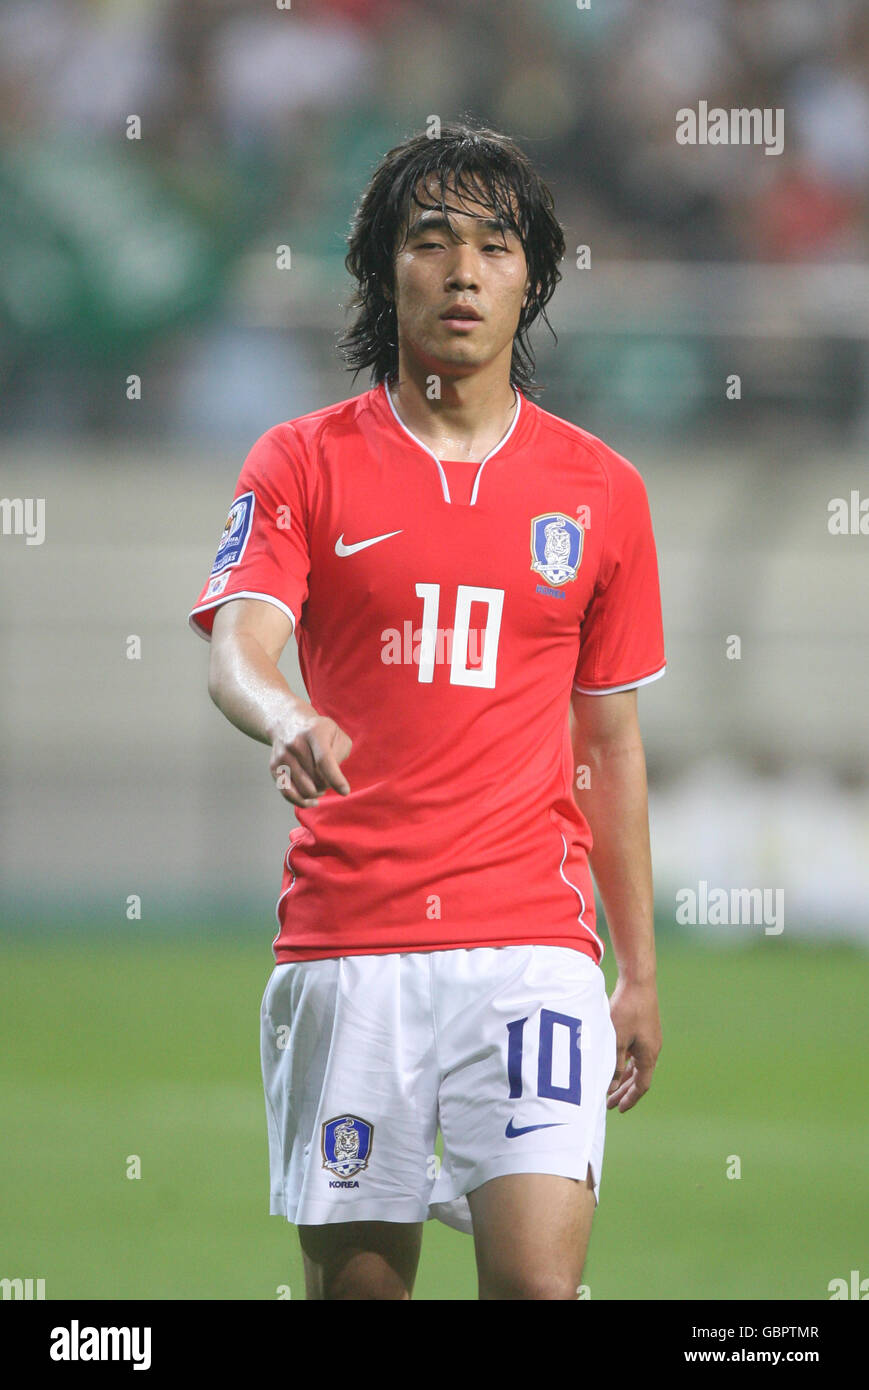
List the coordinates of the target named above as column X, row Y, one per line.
column 347, row 1144
column 235, row 533
column 556, row 547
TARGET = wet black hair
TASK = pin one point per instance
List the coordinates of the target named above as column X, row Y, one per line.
column 476, row 165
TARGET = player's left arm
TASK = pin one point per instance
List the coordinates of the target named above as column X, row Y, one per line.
column 606, row 739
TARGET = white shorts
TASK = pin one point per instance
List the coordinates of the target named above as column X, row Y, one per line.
column 509, row 1051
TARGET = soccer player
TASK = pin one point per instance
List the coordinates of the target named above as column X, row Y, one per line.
column 461, row 570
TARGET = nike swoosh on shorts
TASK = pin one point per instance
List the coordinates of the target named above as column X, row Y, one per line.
column 512, row 1133
column 342, row 549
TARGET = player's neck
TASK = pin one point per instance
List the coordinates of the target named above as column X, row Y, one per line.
column 469, row 419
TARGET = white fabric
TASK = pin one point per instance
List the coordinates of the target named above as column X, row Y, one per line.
column 409, row 1043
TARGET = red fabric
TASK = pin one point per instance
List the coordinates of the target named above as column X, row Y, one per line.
column 461, row 827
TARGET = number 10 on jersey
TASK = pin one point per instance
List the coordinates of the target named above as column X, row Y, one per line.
column 559, row 1046
column 460, row 672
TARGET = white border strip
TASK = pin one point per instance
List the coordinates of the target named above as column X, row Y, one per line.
column 292, row 871
column 226, row 598
column 589, row 929
column 492, row 452
column 614, row 689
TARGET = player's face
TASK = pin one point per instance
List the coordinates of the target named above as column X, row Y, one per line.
column 440, row 279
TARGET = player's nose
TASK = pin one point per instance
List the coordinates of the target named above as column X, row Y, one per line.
column 462, row 273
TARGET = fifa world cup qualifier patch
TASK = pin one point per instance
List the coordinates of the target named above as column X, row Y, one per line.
column 235, row 533
column 346, row 1142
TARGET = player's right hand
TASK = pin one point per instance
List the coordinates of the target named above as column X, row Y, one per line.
column 306, row 756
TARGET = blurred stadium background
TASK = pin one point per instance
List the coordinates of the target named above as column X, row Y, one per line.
column 155, row 257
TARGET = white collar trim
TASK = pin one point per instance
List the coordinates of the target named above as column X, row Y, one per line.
column 491, row 453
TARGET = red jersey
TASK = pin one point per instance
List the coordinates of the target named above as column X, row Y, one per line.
column 443, row 613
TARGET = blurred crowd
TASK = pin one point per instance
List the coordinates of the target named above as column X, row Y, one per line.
column 261, row 123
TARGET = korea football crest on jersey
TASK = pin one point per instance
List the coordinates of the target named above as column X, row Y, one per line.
column 235, row 533
column 556, row 547
column 347, row 1145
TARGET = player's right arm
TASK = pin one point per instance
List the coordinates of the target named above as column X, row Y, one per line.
column 244, row 682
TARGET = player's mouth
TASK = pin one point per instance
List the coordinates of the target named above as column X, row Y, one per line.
column 460, row 316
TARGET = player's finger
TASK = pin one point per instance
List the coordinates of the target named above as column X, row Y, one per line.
column 304, row 782
column 304, row 763
column 301, row 757
column 295, row 786
column 634, row 1094
column 621, row 1062
column 619, row 1085
column 636, row 1082
column 644, row 1059
column 623, row 1080
column 644, row 1068
column 328, row 770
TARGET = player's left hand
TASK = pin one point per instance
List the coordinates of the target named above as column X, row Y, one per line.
column 637, row 1021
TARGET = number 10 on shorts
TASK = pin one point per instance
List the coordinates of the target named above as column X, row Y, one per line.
column 559, row 1057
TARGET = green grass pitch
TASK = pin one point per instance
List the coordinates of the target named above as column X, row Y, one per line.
column 152, row 1049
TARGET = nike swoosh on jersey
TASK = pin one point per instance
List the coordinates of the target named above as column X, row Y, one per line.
column 512, row 1133
column 342, row 549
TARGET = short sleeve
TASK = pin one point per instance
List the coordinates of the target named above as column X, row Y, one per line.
column 621, row 640
column 264, row 549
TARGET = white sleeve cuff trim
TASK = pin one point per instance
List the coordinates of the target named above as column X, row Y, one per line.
column 226, row 598
column 614, row 689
